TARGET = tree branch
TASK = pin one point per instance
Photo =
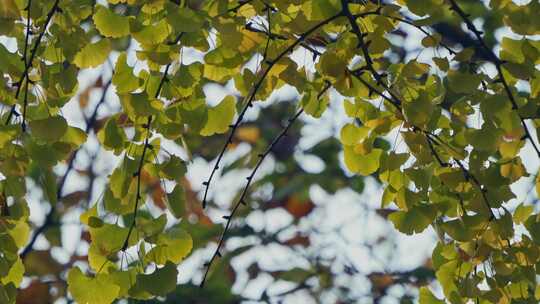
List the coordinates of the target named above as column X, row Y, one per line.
column 28, row 64
column 49, row 217
column 498, row 65
column 251, row 98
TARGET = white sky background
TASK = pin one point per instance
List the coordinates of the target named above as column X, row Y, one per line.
column 352, row 213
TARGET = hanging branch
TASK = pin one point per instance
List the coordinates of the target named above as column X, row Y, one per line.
column 138, row 175
column 421, row 29
column 251, row 98
column 28, row 64
column 433, row 139
column 363, row 45
column 241, row 199
column 396, row 102
column 146, row 146
column 49, row 217
column 28, row 31
column 498, row 65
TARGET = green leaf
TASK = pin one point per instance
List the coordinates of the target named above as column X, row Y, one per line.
column 172, row 246
column 415, row 220
column 9, row 9
column 362, row 164
column 8, row 293
column 463, row 82
column 149, row 34
column 220, row 117
column 149, row 226
column 15, row 274
column 176, row 201
column 160, row 282
column 419, row 111
column 112, row 136
column 313, row 105
column 93, row 55
column 322, row 9
column 533, row 226
column 74, row 136
column 174, row 168
column 124, row 279
column 86, row 290
column 522, row 212
column 458, row 230
column 427, row 297
column 139, row 105
column 49, row 129
column 7, row 133
column 185, row 20
column 109, row 238
column 123, row 77
column 110, row 24
column 351, row 134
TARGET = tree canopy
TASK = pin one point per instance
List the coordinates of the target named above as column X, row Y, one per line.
column 467, row 115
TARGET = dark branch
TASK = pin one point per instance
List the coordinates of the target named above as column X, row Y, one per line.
column 498, row 64
column 28, row 65
column 49, row 217
column 251, row 98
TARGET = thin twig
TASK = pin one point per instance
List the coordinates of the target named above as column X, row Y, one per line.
column 28, row 65
column 139, row 174
column 241, row 199
column 146, row 146
column 498, row 65
column 251, row 98
column 49, row 217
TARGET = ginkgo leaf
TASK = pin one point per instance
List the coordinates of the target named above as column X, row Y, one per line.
column 427, row 297
column 15, row 274
column 362, row 164
column 463, row 82
column 7, row 133
column 176, row 201
column 112, row 136
column 74, row 136
column 419, row 111
column 124, row 279
column 160, row 282
column 49, row 129
column 522, row 212
column 110, row 24
column 318, row 10
column 351, row 134
column 139, row 104
column 446, row 136
column 173, row 245
column 93, row 55
column 185, row 20
column 220, row 117
column 86, row 290
column 313, row 105
column 415, row 220
column 174, row 168
column 149, row 34
column 8, row 293
column 123, row 77
column 20, row 231
column 9, row 9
